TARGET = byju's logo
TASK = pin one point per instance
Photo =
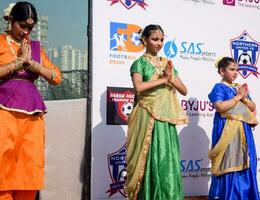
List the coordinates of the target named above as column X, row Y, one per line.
column 124, row 37
column 129, row 3
column 229, row 2
column 116, row 164
column 245, row 51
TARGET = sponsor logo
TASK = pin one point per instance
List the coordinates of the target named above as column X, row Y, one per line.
column 197, row 108
column 120, row 102
column 255, row 4
column 193, row 169
column 191, row 165
column 124, row 42
column 245, row 52
column 116, row 164
column 229, row 2
column 129, row 3
column 170, row 49
column 188, row 50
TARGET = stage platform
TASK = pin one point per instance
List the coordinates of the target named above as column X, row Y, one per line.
column 196, row 198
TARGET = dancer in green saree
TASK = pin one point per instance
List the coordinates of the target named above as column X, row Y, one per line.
column 153, row 160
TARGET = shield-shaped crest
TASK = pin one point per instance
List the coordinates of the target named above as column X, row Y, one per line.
column 245, row 52
column 129, row 3
column 117, row 170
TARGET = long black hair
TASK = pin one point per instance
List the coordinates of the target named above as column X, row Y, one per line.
column 22, row 11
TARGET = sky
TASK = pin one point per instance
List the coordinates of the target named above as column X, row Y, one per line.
column 67, row 23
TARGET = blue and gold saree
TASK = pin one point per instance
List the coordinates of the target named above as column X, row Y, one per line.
column 233, row 154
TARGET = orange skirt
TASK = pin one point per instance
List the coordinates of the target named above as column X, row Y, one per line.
column 21, row 151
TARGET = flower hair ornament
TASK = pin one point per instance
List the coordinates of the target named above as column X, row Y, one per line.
column 140, row 35
column 217, row 61
column 140, row 32
column 7, row 11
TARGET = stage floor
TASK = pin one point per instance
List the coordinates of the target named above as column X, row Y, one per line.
column 196, row 198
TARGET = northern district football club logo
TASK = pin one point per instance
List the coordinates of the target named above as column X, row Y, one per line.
column 129, row 3
column 117, row 169
column 124, row 37
column 245, row 51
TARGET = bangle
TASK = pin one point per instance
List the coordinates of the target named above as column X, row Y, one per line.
column 234, row 100
column 34, row 67
column 15, row 65
column 245, row 101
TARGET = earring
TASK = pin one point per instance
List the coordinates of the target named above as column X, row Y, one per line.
column 9, row 27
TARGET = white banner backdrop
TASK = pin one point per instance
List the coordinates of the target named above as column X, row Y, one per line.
column 196, row 33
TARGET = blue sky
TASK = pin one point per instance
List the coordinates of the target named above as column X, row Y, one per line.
column 67, row 20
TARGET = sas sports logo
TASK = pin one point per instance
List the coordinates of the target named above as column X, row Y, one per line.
column 188, row 50
column 170, row 49
column 245, row 51
column 117, row 169
column 128, row 4
column 124, row 37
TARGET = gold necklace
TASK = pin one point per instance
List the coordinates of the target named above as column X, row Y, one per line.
column 9, row 40
column 229, row 84
column 151, row 59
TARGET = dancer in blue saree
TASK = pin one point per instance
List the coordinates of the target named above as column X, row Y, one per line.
column 233, row 154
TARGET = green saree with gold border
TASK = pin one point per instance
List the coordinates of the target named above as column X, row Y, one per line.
column 153, row 159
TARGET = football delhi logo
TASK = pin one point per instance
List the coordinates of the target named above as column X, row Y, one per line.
column 129, row 3
column 117, row 169
column 245, row 52
column 124, row 37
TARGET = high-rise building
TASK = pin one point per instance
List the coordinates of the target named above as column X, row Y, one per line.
column 76, row 61
column 84, row 60
column 73, row 59
column 54, row 56
column 66, row 58
column 40, row 31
